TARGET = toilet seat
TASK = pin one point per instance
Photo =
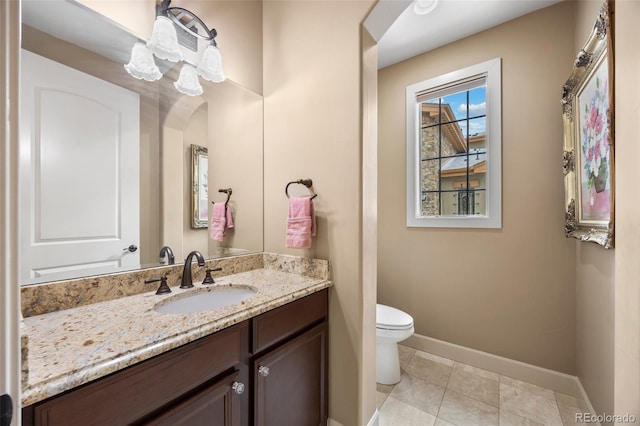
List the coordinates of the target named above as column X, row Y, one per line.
column 388, row 318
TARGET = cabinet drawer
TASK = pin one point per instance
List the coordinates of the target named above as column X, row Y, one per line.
column 285, row 321
column 137, row 391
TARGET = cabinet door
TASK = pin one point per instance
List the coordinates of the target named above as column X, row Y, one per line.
column 215, row 405
column 291, row 382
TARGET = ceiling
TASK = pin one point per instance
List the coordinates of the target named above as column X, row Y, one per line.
column 402, row 34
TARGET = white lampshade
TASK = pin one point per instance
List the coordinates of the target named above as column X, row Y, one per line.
column 164, row 40
column 210, row 66
column 188, row 82
column 423, row 7
column 142, row 65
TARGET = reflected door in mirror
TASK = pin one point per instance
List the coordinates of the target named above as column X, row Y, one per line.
column 79, row 179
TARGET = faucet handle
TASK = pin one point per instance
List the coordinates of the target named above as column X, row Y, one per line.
column 208, row 279
column 163, row 288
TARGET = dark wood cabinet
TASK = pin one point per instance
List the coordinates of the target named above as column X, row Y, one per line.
column 217, row 404
column 289, row 363
column 216, row 380
column 290, row 382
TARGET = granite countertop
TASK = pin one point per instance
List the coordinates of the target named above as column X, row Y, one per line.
column 72, row 347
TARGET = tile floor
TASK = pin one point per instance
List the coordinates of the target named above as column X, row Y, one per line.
column 435, row 391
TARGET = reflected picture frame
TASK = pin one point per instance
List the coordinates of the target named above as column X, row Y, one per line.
column 588, row 157
column 200, row 187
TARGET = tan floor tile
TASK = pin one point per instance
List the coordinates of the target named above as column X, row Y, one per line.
column 440, row 422
column 510, row 419
column 475, row 386
column 420, row 394
column 464, row 411
column 532, row 406
column 533, row 389
column 567, row 400
column 380, row 397
column 406, row 355
column 427, row 369
column 479, row 371
column 397, row 413
column 568, row 412
column 384, row 388
column 436, row 358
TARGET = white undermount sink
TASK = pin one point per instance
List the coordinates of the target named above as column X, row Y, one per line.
column 206, row 299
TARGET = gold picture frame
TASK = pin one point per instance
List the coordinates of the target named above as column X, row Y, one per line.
column 588, row 117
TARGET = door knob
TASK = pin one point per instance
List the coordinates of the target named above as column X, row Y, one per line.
column 263, row 371
column 238, row 387
column 132, row 248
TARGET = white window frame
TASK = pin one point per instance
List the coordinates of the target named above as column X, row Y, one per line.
column 493, row 218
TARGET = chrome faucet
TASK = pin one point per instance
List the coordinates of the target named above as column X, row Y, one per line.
column 166, row 251
column 187, row 281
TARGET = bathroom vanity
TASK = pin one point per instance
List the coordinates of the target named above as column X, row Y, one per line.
column 263, row 363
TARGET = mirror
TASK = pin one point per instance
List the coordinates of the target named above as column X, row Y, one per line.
column 226, row 121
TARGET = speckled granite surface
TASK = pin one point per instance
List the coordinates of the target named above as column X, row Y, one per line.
column 50, row 297
column 70, row 347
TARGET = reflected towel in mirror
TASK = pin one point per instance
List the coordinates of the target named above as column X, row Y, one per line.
column 221, row 220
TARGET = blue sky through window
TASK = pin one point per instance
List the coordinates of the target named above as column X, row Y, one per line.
column 476, row 109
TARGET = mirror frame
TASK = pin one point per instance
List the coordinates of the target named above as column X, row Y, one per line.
column 590, row 59
column 199, row 187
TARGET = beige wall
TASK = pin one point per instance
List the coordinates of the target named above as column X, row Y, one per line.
column 239, row 26
column 627, row 266
column 236, row 159
column 195, row 133
column 509, row 292
column 594, row 282
column 312, row 88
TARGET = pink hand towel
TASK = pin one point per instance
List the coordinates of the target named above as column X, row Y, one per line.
column 301, row 223
column 220, row 221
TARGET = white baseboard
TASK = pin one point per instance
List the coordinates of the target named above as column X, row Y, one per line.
column 375, row 419
column 583, row 400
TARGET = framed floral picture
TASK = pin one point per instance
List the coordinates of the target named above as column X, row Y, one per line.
column 589, row 141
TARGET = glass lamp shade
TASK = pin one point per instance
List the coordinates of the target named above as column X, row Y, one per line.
column 188, row 82
column 210, row 66
column 424, row 7
column 142, row 65
column 164, row 40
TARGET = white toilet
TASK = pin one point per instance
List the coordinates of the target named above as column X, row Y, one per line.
column 392, row 326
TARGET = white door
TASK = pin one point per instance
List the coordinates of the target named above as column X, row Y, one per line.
column 79, row 173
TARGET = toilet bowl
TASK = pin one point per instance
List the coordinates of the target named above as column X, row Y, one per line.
column 392, row 326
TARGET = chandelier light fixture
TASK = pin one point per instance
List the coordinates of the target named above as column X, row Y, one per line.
column 176, row 35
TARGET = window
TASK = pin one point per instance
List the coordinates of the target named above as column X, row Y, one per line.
column 454, row 149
